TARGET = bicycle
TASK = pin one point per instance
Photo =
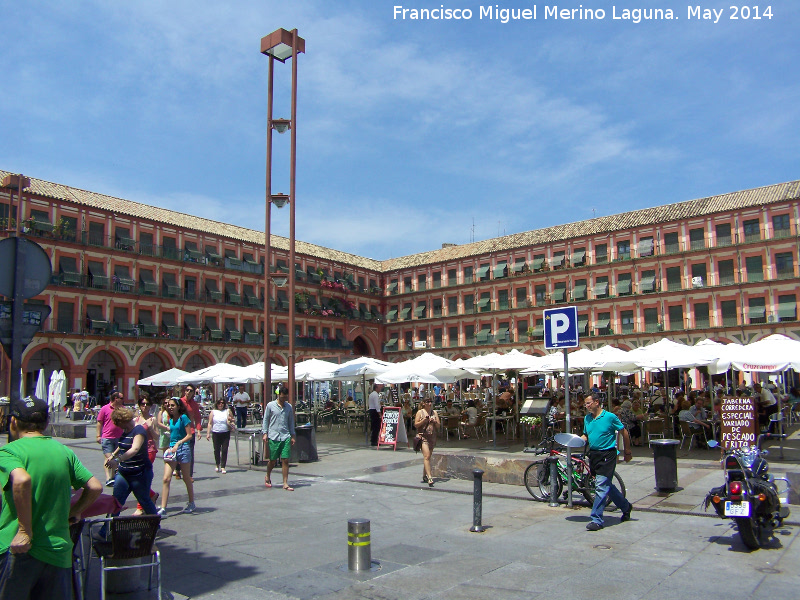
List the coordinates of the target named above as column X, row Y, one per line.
column 537, row 475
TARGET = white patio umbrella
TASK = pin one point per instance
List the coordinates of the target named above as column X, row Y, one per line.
column 362, row 368
column 314, row 369
column 720, row 353
column 771, row 354
column 427, row 368
column 666, row 353
column 166, row 378
column 209, row 374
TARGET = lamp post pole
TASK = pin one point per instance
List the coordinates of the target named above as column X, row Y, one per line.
column 281, row 45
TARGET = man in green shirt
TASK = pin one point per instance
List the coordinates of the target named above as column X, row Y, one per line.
column 37, row 474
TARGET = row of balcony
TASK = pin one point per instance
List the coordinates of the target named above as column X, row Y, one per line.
column 330, row 308
column 580, row 294
column 605, row 328
column 150, row 331
column 580, row 259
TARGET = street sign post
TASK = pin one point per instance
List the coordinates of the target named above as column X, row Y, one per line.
column 561, row 331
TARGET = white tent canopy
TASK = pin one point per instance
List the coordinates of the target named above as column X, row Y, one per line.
column 361, row 367
column 226, row 373
column 655, row 356
column 164, row 379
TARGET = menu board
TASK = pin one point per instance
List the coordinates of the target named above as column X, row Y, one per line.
column 739, row 423
column 393, row 428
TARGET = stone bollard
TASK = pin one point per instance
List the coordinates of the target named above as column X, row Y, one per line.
column 477, row 502
column 359, row 549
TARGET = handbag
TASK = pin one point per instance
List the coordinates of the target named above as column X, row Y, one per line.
column 418, row 442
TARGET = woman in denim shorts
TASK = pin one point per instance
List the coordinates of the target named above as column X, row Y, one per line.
column 179, row 453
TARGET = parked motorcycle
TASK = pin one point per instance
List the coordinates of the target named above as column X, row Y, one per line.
column 749, row 496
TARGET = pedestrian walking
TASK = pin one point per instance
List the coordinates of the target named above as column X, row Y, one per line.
column 37, row 475
column 600, row 429
column 280, row 435
column 427, row 423
column 162, row 424
column 108, row 433
column 241, row 400
column 220, row 424
column 131, row 460
column 178, row 455
column 145, row 418
column 194, row 413
column 374, row 415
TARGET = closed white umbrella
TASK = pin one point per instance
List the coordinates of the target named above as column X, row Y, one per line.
column 41, row 386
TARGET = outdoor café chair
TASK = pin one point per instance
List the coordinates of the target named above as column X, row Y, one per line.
column 688, row 432
column 126, row 538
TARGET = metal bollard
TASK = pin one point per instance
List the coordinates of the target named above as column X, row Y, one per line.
column 553, row 483
column 477, row 502
column 359, row 549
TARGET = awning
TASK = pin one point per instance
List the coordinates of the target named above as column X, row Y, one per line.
column 391, row 342
column 230, row 258
column 98, row 273
column 578, row 257
column 173, row 290
column 537, row 264
column 419, row 312
column 123, row 274
column 214, row 332
column 68, row 267
column 787, row 308
column 518, row 267
column 233, row 296
column 212, row 290
column 647, row 284
column 558, row 294
column 168, row 320
column 646, row 247
column 392, row 288
column 405, row 313
column 483, row 302
column 146, row 323
column 391, row 315
column 482, row 335
column 192, row 329
column 212, row 254
column 500, row 271
column 250, row 297
column 602, row 324
column 579, row 292
column 483, row 272
column 557, row 261
column 192, row 252
column 600, row 289
column 623, row 286
column 538, row 331
column 757, row 312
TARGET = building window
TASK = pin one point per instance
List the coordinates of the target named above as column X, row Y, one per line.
column 651, row 323
column 726, row 273
column 522, row 330
column 757, row 311
column 780, row 226
column 675, row 318
column 648, row 282
column 784, row 264
column 437, row 280
column 452, row 306
column 697, row 239
column 579, row 291
column 787, row 307
column 671, row 243
column 600, row 253
column 755, row 268
column 603, row 324
column 421, row 282
column 701, row 320
column 699, row 275
column 502, row 300
column 558, row 259
column 540, row 294
column 730, row 318
column 645, row 246
column 469, row 304
column 624, row 250
column 407, row 285
column 674, row 279
column 452, row 336
column 626, row 321
column 452, row 277
column 467, row 274
column 752, row 230
column 624, row 285
column 600, row 287
column 522, row 297
column 723, row 234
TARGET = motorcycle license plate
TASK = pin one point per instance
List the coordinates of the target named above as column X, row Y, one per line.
column 737, row 509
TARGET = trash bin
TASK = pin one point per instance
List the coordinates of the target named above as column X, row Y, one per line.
column 666, row 464
column 305, row 444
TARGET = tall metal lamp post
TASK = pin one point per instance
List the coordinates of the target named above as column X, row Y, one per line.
column 281, row 45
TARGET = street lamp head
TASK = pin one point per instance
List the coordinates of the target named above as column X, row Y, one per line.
column 279, row 200
column 278, row 44
column 280, row 281
column 281, row 125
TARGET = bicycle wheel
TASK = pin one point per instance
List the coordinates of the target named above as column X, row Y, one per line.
column 588, row 491
column 532, row 480
column 544, row 483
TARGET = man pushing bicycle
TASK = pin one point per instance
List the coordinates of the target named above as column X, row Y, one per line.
column 600, row 428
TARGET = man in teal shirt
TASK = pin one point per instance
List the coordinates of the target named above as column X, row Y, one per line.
column 600, row 428
column 37, row 474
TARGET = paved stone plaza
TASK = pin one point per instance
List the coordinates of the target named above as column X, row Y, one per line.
column 247, row 542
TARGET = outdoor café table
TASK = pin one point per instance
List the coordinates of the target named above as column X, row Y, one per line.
column 105, row 504
column 507, row 421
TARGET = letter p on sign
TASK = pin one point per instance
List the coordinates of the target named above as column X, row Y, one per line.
column 559, row 324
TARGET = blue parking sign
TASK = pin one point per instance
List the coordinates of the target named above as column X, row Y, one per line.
column 561, row 327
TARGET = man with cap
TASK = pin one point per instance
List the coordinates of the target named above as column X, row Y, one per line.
column 37, row 474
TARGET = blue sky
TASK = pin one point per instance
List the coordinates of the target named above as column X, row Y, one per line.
column 410, row 133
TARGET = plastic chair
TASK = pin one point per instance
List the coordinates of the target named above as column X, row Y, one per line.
column 451, row 423
column 127, row 538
